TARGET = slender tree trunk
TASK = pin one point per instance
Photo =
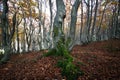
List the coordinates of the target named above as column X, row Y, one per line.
column 90, row 20
column 40, row 23
column 85, row 33
column 73, row 22
column 81, row 20
column 117, row 32
column 51, row 15
column 24, row 42
column 94, row 21
column 51, row 24
column 30, row 32
column 99, row 27
column 115, row 23
column 18, row 44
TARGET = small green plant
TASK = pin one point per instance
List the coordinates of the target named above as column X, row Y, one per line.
column 56, row 31
column 69, row 70
column 59, row 50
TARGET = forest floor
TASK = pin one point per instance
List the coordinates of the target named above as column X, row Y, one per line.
column 98, row 61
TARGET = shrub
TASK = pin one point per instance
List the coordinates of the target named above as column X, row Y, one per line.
column 66, row 63
column 69, row 70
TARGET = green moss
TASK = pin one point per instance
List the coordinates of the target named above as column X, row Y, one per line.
column 56, row 31
column 59, row 50
column 68, row 42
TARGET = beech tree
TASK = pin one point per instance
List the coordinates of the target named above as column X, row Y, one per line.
column 73, row 22
column 58, row 21
column 7, row 31
column 51, row 22
column 33, row 25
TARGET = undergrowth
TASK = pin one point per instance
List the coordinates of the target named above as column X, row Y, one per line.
column 70, row 70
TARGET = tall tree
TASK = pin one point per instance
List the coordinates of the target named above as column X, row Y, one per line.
column 94, row 21
column 118, row 22
column 5, row 35
column 73, row 22
column 99, row 27
column 7, row 32
column 4, row 21
column 81, row 27
column 58, row 21
column 51, row 22
column 86, row 28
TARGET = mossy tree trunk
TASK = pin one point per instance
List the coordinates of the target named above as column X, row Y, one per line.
column 58, row 21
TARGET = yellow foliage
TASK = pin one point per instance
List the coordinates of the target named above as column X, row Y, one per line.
column 14, row 36
column 21, row 35
column 32, row 3
column 114, row 3
column 97, row 23
column 104, row 26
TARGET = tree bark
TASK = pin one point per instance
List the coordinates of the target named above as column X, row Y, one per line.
column 94, row 21
column 73, row 22
column 99, row 27
column 5, row 34
column 51, row 24
column 58, row 21
column 81, row 20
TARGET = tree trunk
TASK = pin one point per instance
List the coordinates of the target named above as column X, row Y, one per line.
column 94, row 21
column 51, row 24
column 85, row 33
column 40, row 27
column 87, row 27
column 5, row 34
column 58, row 21
column 117, row 32
column 73, row 22
column 99, row 27
column 81, row 20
